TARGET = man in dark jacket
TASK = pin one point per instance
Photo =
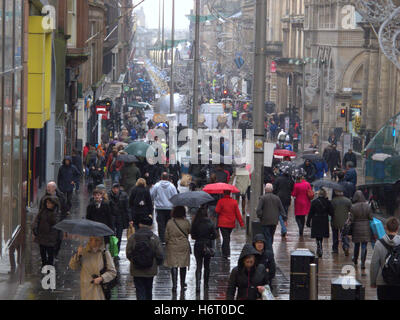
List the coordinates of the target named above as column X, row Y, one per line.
column 351, row 173
column 333, row 160
column 283, row 187
column 350, row 156
column 121, row 212
column 68, row 175
column 140, row 202
column 266, row 256
column 349, row 188
column 268, row 211
column 77, row 162
column 129, row 174
column 247, row 279
column 310, row 170
column 143, row 278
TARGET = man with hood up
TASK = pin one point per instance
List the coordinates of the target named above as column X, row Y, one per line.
column 266, row 257
column 310, row 170
column 68, row 175
column 248, row 279
column 161, row 192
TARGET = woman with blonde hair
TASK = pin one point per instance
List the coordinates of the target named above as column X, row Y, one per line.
column 91, row 261
column 184, row 183
column 140, row 202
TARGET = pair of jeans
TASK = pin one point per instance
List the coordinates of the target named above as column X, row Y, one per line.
column 301, row 220
column 115, row 176
column 47, row 254
column 162, row 219
column 335, row 239
column 269, row 232
column 283, row 227
column 363, row 251
column 68, row 195
column 144, row 288
column 226, row 241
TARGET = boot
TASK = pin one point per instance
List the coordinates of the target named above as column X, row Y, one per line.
column 363, row 258
column 206, row 278
column 174, row 276
column 183, row 278
column 198, row 280
column 319, row 248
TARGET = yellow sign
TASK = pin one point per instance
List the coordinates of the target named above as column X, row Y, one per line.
column 258, row 144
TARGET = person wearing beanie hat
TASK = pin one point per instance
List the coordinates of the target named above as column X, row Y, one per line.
column 144, row 239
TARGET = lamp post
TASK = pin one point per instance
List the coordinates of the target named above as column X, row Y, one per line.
column 171, row 90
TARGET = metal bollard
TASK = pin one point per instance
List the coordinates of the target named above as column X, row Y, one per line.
column 313, row 282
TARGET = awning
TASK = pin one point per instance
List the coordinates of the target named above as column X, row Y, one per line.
column 112, row 91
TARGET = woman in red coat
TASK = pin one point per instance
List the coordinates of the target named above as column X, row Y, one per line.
column 228, row 212
column 302, row 203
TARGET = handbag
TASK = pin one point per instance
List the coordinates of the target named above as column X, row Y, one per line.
column 310, row 194
column 186, row 236
column 130, row 232
column 107, row 287
column 114, row 246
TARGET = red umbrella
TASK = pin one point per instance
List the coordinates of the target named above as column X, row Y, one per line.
column 281, row 153
column 219, row 188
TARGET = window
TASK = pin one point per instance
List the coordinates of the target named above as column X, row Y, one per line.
column 9, row 35
column 18, row 33
column 71, row 28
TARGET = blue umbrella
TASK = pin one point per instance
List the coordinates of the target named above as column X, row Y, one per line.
column 162, row 125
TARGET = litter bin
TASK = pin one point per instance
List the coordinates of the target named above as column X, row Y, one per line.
column 347, row 288
column 300, row 261
column 296, row 145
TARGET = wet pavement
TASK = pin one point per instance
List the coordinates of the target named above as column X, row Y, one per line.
column 68, row 286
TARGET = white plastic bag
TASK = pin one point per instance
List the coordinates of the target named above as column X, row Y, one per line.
column 267, row 294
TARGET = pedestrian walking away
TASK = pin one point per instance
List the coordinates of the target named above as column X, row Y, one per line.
column 268, row 211
column 387, row 288
column 160, row 193
column 247, row 280
column 44, row 233
column 283, row 188
column 228, row 212
column 145, row 253
column 302, row 203
column 140, row 202
column 360, row 215
column 129, row 175
column 203, row 232
column 90, row 260
column 177, row 249
column 318, row 219
column 341, row 209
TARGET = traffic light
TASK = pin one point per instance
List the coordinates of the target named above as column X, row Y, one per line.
column 225, row 92
column 343, row 113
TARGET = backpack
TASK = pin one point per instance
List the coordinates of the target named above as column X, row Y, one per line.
column 391, row 268
column 143, row 255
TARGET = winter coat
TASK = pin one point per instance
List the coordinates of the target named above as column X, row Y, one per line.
column 341, row 208
column 318, row 218
column 137, row 207
column 203, row 232
column 360, row 215
column 351, row 176
column 350, row 157
column 44, row 222
column 266, row 258
column 67, row 174
column 379, row 258
column 61, row 199
column 177, row 249
column 161, row 192
column 228, row 212
column 283, row 187
column 103, row 214
column 91, row 158
column 157, row 250
column 302, row 204
column 245, row 282
column 91, row 263
column 129, row 175
column 269, row 209
column 120, row 208
column 333, row 158
column 321, row 167
column 113, row 165
column 349, row 188
column 242, row 180
column 311, row 172
column 77, row 162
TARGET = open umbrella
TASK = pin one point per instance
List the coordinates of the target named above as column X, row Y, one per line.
column 162, row 125
column 281, row 153
column 219, row 188
column 84, row 227
column 288, row 167
column 312, row 157
column 138, row 148
column 328, row 184
column 127, row 158
column 193, row 199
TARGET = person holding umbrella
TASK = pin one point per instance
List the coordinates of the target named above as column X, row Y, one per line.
column 90, row 260
column 228, row 212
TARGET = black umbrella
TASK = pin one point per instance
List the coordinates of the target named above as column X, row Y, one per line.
column 312, row 157
column 288, row 167
column 84, row 227
column 128, row 158
column 193, row 199
column 328, row 184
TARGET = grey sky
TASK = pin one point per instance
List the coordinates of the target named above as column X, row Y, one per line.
column 182, row 8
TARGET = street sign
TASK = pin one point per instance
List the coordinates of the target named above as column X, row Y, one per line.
column 101, row 110
column 273, row 67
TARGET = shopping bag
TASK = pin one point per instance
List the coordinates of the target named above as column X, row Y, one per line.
column 113, row 248
column 377, row 228
column 131, row 232
column 267, row 294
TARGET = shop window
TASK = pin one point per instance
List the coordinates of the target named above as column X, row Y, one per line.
column 71, row 28
column 9, row 35
column 18, row 33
